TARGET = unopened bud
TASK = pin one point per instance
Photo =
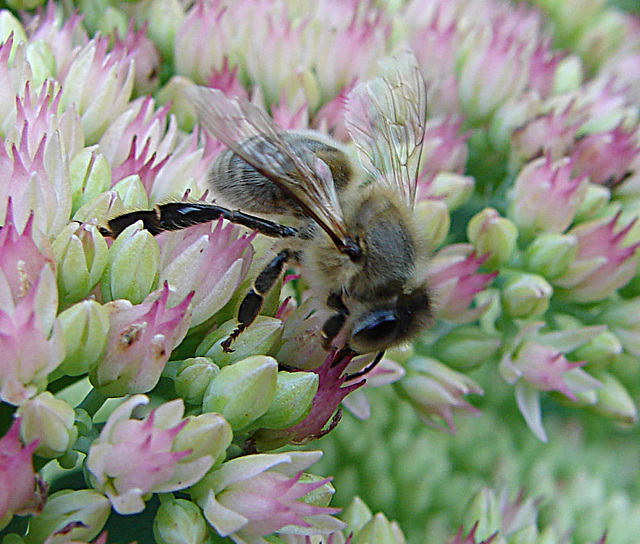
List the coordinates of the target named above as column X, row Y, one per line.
column 292, row 401
column 90, row 175
column 526, row 296
column 614, row 401
column 132, row 192
column 84, row 328
column 600, row 351
column 179, row 522
column 492, row 234
column 243, row 391
column 467, row 347
column 377, row 530
column 173, row 93
column 551, row 254
column 433, row 218
column 206, row 434
column 484, row 509
column 132, row 270
column 81, row 255
column 256, row 339
column 595, row 199
column 193, row 378
column 454, row 188
column 49, row 421
column 85, row 510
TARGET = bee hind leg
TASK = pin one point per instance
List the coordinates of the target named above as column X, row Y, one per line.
column 252, row 302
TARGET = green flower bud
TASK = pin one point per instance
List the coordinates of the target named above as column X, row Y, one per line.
column 614, row 401
column 484, row 508
column 90, row 175
column 206, row 434
column 179, row 522
column 377, row 530
column 132, row 192
column 86, row 509
column 164, row 17
column 242, row 392
column 258, row 338
column 526, row 296
column 454, row 188
column 490, row 233
column 596, row 198
column 100, row 209
column 193, row 378
column 357, row 514
column 551, row 254
column 569, row 75
column 465, row 348
column 292, row 402
column 173, row 93
column 113, row 21
column 50, row 421
column 132, row 270
column 42, row 62
column 602, row 350
column 84, row 329
column 433, row 218
column 81, row 254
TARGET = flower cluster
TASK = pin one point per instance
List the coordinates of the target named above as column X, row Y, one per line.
column 116, row 370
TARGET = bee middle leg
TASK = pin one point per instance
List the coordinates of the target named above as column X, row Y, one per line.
column 252, row 302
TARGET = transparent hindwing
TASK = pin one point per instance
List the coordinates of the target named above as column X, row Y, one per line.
column 386, row 118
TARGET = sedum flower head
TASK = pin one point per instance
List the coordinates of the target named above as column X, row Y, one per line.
column 133, row 458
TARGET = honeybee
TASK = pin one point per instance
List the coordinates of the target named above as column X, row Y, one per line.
column 351, row 229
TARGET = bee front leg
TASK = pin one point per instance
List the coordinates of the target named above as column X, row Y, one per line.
column 252, row 302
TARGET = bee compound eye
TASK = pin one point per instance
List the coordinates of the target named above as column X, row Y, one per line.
column 376, row 326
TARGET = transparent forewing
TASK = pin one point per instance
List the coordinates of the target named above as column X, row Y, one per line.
column 386, row 118
column 250, row 133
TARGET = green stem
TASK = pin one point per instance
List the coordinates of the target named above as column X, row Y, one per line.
column 93, row 402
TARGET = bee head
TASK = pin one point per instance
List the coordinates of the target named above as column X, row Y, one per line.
column 393, row 322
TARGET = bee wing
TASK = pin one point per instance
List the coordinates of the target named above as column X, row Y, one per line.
column 252, row 135
column 386, row 118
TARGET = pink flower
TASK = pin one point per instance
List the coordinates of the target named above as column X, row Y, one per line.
column 546, row 196
column 34, row 160
column 63, row 36
column 17, row 477
column 208, row 260
column 602, row 263
column 30, row 341
column 345, row 40
column 493, row 70
column 140, row 141
column 252, row 496
column 536, row 363
column 226, row 79
column 551, row 133
column 99, row 84
column 330, row 117
column 444, row 148
column 133, row 458
column 607, row 157
column 137, row 46
column 141, row 338
column 542, row 67
column 291, row 114
column 203, row 40
column 436, row 392
column 455, row 282
column 435, row 39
